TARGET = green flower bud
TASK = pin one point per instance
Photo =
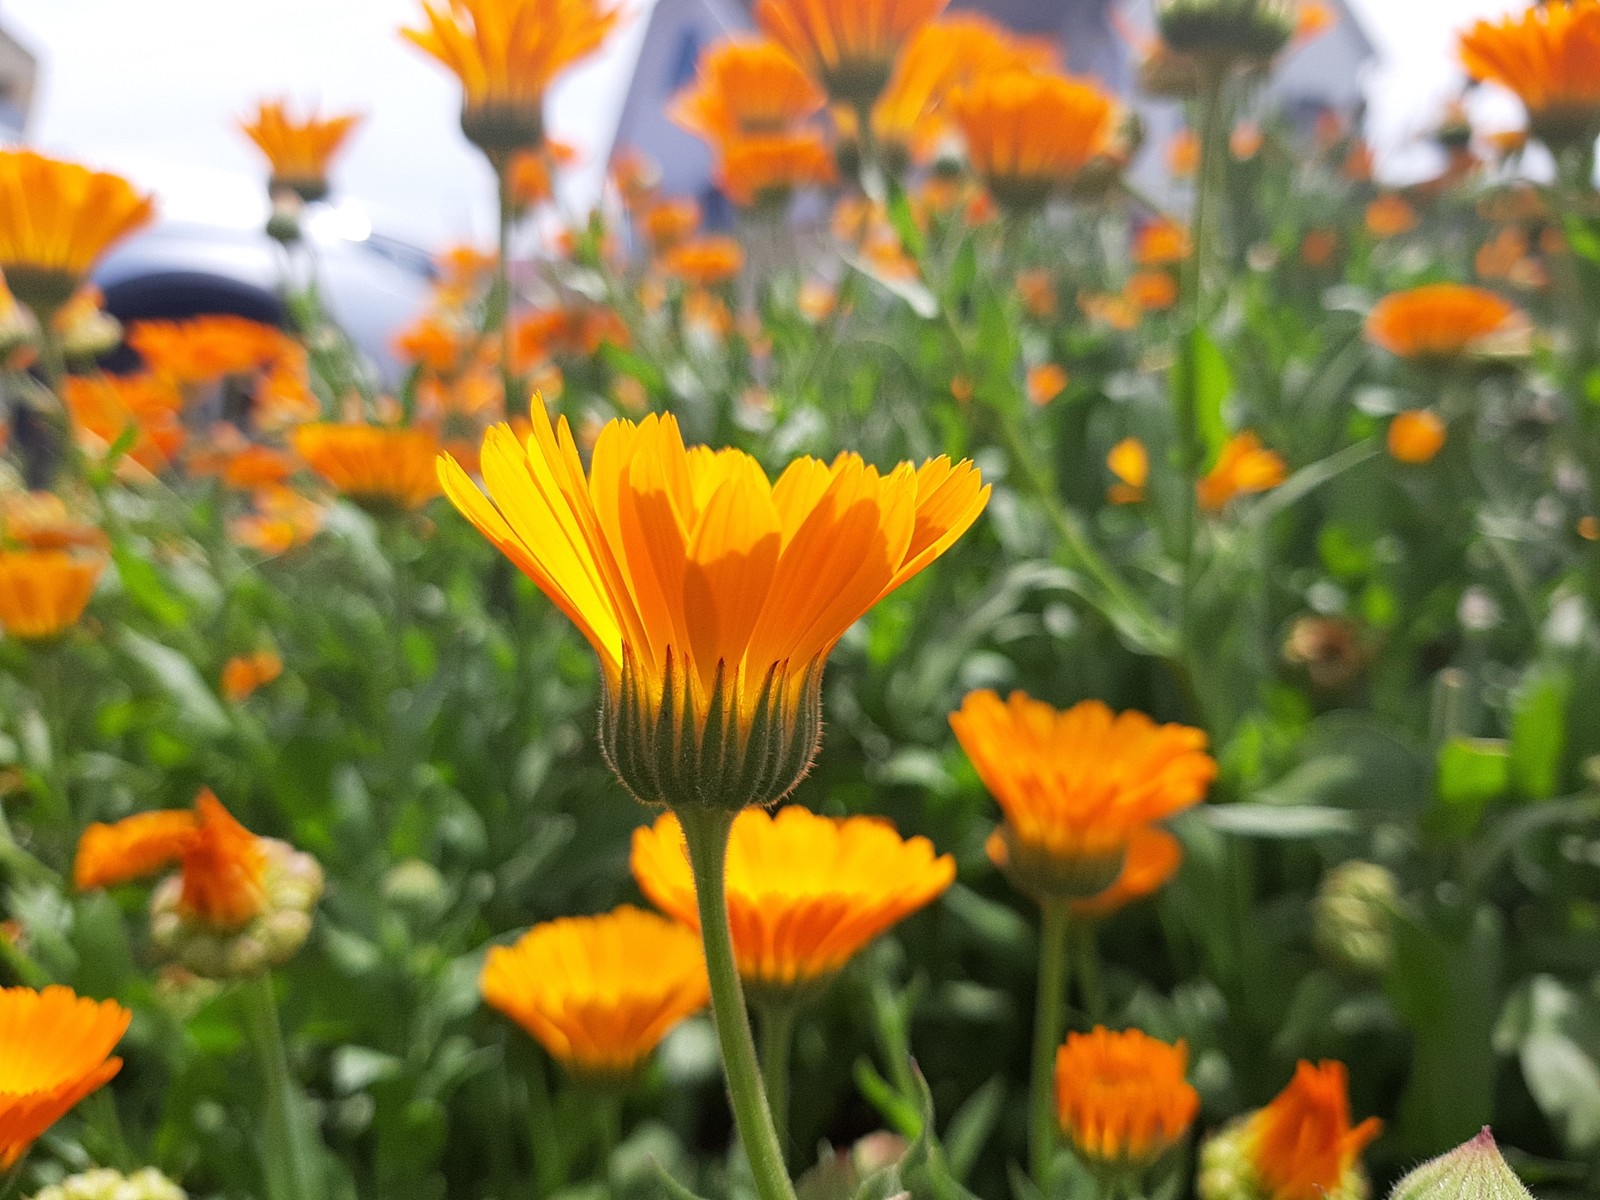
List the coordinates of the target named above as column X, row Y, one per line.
column 148, row 1184
column 1474, row 1170
column 1353, row 918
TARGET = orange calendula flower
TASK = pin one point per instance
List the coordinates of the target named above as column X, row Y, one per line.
column 1129, row 461
column 1121, row 1098
column 531, row 175
column 704, row 261
column 55, row 1048
column 1161, row 244
column 42, row 521
column 1243, row 468
column 1027, row 135
column 238, row 904
column 207, row 348
column 850, row 45
column 1301, row 1146
column 1076, row 786
column 805, row 892
column 56, row 220
column 506, row 53
column 1416, row 436
column 298, row 149
column 1153, row 858
column 669, row 222
column 1549, row 55
column 138, row 413
column 711, row 595
column 746, row 88
column 1183, row 153
column 244, row 673
column 1389, row 216
column 1045, row 383
column 375, row 465
column 43, row 592
column 1151, row 291
column 767, row 170
column 599, row 993
column 281, row 520
column 1441, row 322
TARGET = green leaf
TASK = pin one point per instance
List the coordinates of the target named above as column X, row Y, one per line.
column 1202, row 373
column 1472, row 772
column 971, row 1127
column 905, row 221
column 1279, row 821
column 198, row 708
column 673, row 1189
column 1539, row 734
column 145, row 588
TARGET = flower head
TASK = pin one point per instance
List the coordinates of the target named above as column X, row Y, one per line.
column 298, row 149
column 1549, row 55
column 1443, row 322
column 805, row 892
column 1076, row 786
column 141, row 414
column 746, row 88
column 711, row 595
column 1236, row 31
column 1121, row 1098
column 1153, row 858
column 599, row 993
column 1030, row 135
column 55, row 1049
column 207, row 348
column 766, row 170
column 850, row 45
column 1302, row 1145
column 239, row 903
column 506, row 53
column 1244, row 467
column 43, row 592
column 375, row 465
column 1416, row 436
column 1129, row 461
column 704, row 261
column 31, row 520
column 244, row 673
column 1474, row 1170
column 56, row 220
column 102, row 1183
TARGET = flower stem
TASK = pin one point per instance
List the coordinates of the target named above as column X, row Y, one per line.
column 289, row 1151
column 1088, row 971
column 1053, row 970
column 501, row 303
column 706, row 830
column 777, row 1039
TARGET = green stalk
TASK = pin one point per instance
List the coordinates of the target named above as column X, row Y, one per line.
column 501, row 296
column 777, row 1040
column 705, row 831
column 1088, row 971
column 1047, row 1021
column 608, row 1117
column 290, row 1154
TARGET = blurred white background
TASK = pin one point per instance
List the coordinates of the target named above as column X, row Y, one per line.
column 154, row 89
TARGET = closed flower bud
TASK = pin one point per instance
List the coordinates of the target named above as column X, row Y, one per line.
column 105, row 1184
column 1353, row 918
column 417, row 887
column 1233, row 30
column 1474, row 1170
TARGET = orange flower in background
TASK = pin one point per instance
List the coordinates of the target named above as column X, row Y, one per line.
column 245, row 673
column 849, row 45
column 440, row 342
column 56, row 220
column 207, row 348
column 1301, row 1144
column 298, row 149
column 1129, row 461
column 805, row 893
column 373, row 464
column 669, row 222
column 506, row 53
column 1440, row 322
column 1037, row 288
column 599, row 993
column 256, row 466
column 711, row 595
column 1122, row 1098
column 1549, row 55
column 1161, row 244
column 42, row 521
column 1244, row 467
column 766, row 170
column 1077, row 786
column 1045, row 383
column 1416, row 436
column 1318, row 248
column 530, row 176
column 704, row 261
column 746, row 88
column 1183, row 154
column 1153, row 858
column 282, row 519
column 43, row 592
column 576, row 330
column 1027, row 136
column 55, row 1048
column 1151, row 291
column 1389, row 216
column 106, row 409
column 1245, row 142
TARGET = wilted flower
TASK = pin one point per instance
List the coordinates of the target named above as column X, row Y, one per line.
column 849, row 45
column 106, row 1184
column 1076, row 786
column 599, row 993
column 1443, row 322
column 56, row 220
column 44, row 592
column 805, row 892
column 711, row 595
column 239, row 903
column 1299, row 1147
column 375, row 465
column 1245, row 466
column 298, row 149
column 1329, row 649
column 55, row 1049
column 1122, row 1099
column 1416, row 436
column 1549, row 55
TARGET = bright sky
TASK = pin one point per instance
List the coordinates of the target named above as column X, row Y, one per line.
column 152, row 89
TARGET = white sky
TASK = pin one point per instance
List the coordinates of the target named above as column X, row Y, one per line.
column 152, row 88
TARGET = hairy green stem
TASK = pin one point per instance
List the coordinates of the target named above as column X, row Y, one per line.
column 1047, row 1022
column 1087, row 968
column 777, row 1041
column 705, row 831
column 501, row 302
column 289, row 1150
